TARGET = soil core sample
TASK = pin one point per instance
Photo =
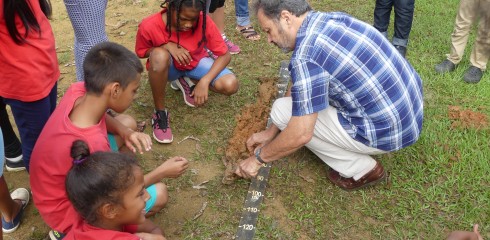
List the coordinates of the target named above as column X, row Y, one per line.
column 252, row 119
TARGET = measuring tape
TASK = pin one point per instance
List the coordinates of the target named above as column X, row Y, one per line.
column 255, row 195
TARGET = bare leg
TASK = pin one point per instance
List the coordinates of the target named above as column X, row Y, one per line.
column 226, row 85
column 219, row 19
column 8, row 207
column 158, row 76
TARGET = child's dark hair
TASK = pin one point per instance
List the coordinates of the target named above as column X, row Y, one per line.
column 96, row 179
column 109, row 62
column 176, row 5
column 21, row 8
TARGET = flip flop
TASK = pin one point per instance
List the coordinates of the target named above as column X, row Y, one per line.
column 249, row 33
column 21, row 194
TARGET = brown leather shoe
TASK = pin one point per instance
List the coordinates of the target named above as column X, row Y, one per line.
column 349, row 184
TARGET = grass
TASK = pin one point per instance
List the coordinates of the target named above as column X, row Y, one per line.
column 437, row 185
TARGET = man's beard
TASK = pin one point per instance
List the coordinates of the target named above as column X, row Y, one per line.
column 285, row 48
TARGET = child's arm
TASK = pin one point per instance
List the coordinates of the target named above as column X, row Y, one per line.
column 149, row 236
column 465, row 235
column 130, row 137
column 202, row 88
column 172, row 168
column 149, row 231
column 149, row 227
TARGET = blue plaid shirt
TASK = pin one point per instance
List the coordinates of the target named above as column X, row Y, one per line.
column 345, row 63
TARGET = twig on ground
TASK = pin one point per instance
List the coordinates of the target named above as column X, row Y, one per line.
column 118, row 25
column 63, row 51
column 307, row 178
column 70, row 64
column 200, row 185
column 201, row 211
column 189, row 137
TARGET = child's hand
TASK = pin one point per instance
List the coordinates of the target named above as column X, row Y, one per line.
column 173, row 167
column 149, row 236
column 465, row 235
column 141, row 140
column 200, row 93
column 179, row 54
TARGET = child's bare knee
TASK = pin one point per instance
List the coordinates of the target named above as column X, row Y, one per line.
column 127, row 121
column 159, row 59
column 228, row 84
column 162, row 197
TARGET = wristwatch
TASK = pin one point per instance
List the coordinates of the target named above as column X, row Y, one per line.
column 257, row 155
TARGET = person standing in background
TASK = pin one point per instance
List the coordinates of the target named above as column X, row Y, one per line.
column 11, row 204
column 216, row 9
column 29, row 69
column 243, row 24
column 403, row 21
column 469, row 11
column 88, row 21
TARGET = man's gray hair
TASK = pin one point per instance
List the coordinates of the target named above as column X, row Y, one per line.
column 272, row 8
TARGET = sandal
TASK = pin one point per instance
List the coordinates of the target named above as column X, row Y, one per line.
column 249, row 33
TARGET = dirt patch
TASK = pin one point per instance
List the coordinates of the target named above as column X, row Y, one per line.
column 465, row 118
column 252, row 119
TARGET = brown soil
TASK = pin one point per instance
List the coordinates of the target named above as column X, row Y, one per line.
column 252, row 119
column 465, row 119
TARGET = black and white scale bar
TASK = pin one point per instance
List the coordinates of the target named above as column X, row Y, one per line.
column 256, row 191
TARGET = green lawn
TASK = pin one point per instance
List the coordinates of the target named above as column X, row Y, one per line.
column 437, row 185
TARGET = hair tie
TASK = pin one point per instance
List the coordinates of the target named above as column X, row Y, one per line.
column 78, row 161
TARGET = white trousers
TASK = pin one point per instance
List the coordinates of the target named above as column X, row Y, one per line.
column 330, row 141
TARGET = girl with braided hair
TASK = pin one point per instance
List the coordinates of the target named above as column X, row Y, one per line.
column 174, row 41
column 107, row 189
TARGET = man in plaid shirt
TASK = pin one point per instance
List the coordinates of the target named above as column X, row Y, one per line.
column 353, row 95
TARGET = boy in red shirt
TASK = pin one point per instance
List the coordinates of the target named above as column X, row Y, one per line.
column 112, row 77
column 174, row 42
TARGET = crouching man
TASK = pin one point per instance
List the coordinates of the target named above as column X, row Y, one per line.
column 353, row 95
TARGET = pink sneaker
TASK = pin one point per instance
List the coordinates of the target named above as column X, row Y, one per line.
column 233, row 48
column 161, row 126
column 186, row 86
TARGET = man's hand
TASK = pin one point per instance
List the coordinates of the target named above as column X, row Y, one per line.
column 248, row 168
column 173, row 167
column 259, row 140
column 179, row 54
column 201, row 92
column 141, row 140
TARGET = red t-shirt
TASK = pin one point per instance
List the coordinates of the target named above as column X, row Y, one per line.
column 152, row 32
column 28, row 71
column 51, row 160
column 83, row 231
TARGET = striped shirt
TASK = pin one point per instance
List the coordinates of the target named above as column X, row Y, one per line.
column 345, row 63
